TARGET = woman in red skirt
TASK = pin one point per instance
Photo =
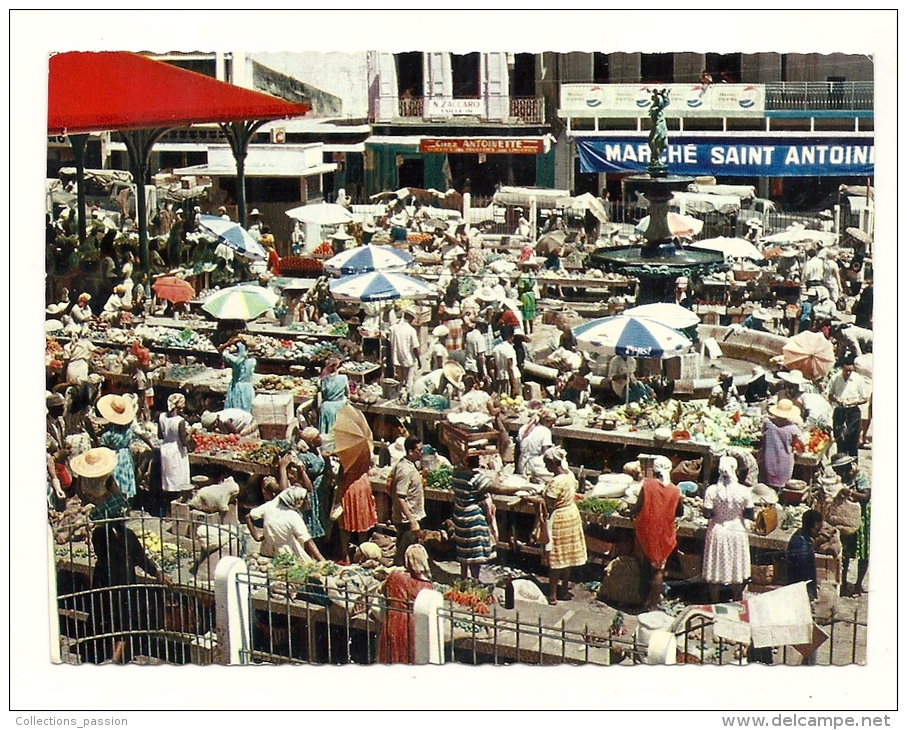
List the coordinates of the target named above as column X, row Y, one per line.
column 359, row 512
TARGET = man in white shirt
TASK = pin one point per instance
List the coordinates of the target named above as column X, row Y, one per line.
column 847, row 391
column 507, row 375
column 405, row 350
column 476, row 350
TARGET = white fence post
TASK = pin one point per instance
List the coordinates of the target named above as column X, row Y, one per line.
column 56, row 655
column 231, row 598
column 429, row 635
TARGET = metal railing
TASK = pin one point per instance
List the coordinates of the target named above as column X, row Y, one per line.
column 819, row 96
column 112, row 609
column 529, row 109
column 411, row 107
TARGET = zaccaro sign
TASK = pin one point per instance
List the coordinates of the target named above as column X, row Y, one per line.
column 807, row 156
column 455, row 108
column 484, row 146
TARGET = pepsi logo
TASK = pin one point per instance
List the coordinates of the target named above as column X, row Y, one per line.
column 747, row 97
column 643, row 98
column 594, row 97
column 694, row 97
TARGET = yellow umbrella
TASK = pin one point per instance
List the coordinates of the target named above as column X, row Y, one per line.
column 353, row 440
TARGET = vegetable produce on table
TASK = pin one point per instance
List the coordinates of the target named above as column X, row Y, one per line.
column 468, row 593
column 599, row 506
column 431, row 402
column 439, row 478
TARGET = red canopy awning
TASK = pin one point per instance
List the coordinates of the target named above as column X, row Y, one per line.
column 117, row 90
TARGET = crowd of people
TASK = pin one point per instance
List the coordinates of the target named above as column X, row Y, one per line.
column 480, row 353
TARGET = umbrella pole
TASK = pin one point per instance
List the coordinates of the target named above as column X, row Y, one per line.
column 78, row 142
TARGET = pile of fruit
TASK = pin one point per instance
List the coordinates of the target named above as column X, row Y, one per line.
column 303, row 265
column 53, row 354
column 816, row 443
column 468, row 593
column 418, row 238
column 367, row 394
column 324, row 249
column 165, row 554
column 267, row 452
column 207, row 442
column 439, row 478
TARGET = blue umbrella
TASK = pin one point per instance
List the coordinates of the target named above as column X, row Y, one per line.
column 234, row 236
column 368, row 258
column 378, row 286
column 630, row 337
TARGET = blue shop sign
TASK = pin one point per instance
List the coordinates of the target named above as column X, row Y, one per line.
column 763, row 157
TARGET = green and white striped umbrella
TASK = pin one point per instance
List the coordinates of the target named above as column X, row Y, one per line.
column 245, row 302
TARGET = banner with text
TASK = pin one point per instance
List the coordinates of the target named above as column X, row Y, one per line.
column 606, row 100
column 484, row 145
column 763, row 157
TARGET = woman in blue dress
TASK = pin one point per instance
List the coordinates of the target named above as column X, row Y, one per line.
column 335, row 390
column 240, row 393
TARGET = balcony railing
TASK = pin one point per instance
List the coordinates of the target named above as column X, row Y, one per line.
column 528, row 109
column 411, row 107
column 819, row 96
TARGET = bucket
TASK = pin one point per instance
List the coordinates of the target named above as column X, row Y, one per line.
column 390, row 388
column 649, row 623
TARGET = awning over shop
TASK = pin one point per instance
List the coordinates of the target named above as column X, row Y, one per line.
column 750, row 156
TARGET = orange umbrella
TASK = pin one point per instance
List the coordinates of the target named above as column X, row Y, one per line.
column 173, row 289
column 809, row 352
column 353, row 440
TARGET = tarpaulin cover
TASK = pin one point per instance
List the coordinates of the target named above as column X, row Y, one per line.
column 116, row 90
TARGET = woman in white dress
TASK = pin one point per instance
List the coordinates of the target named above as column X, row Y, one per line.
column 726, row 559
column 175, row 435
column 535, row 439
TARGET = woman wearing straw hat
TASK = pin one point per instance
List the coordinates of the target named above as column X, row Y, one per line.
column 175, row 437
column 446, row 381
column 120, row 432
column 779, row 434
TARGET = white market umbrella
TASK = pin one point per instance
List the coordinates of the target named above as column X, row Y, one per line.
column 379, row 286
column 666, row 313
column 235, row 236
column 630, row 337
column 367, row 258
column 802, row 235
column 321, row 214
column 681, row 226
column 244, row 302
column 735, row 248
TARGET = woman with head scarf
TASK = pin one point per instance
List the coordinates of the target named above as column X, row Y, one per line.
column 566, row 538
column 240, row 393
column 654, row 513
column 397, row 641
column 726, row 558
column 534, row 439
column 308, row 470
column 175, row 439
column 334, row 387
column 284, row 528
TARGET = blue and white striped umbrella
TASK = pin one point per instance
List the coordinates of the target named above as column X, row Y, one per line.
column 367, row 258
column 380, row 286
column 235, row 236
column 630, row 337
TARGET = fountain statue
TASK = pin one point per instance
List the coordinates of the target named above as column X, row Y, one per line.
column 660, row 258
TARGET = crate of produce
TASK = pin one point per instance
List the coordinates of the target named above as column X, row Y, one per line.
column 279, row 431
column 273, row 408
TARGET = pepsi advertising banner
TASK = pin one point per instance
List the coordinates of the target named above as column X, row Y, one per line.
column 733, row 157
column 686, row 100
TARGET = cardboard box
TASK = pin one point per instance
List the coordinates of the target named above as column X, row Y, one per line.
column 273, row 408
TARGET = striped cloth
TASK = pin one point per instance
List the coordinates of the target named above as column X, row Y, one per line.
column 567, row 542
column 471, row 533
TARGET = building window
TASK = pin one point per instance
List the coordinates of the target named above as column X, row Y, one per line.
column 313, row 187
column 600, row 68
column 409, row 74
column 465, row 73
column 724, row 67
column 205, row 66
column 522, row 84
column 656, row 68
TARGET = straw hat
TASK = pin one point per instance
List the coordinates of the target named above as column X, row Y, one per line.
column 398, row 220
column 840, row 460
column 487, row 294
column 795, row 377
column 762, row 314
column 117, row 409
column 784, row 408
column 454, row 372
column 254, row 211
column 440, row 331
column 368, row 226
column 55, row 400
column 310, row 434
column 55, row 309
column 765, row 494
column 94, row 463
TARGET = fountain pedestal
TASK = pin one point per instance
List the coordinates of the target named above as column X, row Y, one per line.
column 659, row 260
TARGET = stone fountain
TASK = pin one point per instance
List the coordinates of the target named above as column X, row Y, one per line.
column 660, row 259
